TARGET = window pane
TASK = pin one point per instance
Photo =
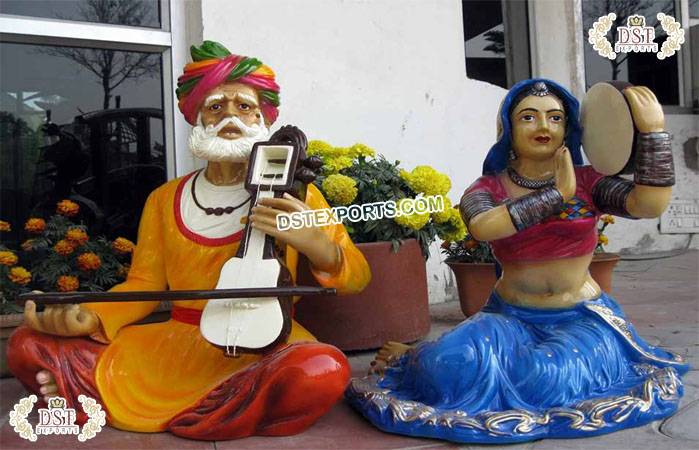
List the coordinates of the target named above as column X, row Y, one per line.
column 484, row 34
column 641, row 69
column 139, row 13
column 79, row 123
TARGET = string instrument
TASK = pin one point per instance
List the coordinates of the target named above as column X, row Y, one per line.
column 250, row 309
column 609, row 133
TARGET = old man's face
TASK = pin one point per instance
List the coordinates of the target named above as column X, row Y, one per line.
column 231, row 100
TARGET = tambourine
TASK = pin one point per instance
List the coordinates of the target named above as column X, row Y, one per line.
column 608, row 130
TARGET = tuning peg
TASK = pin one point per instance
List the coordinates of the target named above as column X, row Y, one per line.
column 313, row 162
column 305, row 175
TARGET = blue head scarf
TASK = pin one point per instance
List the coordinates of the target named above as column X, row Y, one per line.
column 498, row 156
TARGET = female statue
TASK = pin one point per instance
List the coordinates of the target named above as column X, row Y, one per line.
column 550, row 355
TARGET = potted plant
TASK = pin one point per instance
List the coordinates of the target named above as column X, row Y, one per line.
column 603, row 262
column 394, row 306
column 60, row 256
column 473, row 265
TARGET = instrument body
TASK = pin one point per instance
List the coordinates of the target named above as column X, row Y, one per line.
column 609, row 134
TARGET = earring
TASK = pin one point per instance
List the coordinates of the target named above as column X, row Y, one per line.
column 512, row 154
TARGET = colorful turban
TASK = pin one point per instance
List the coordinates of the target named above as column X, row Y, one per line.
column 212, row 65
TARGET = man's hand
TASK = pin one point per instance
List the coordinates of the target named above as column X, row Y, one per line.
column 564, row 173
column 311, row 241
column 647, row 113
column 61, row 320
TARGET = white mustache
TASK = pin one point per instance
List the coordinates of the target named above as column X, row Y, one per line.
column 247, row 131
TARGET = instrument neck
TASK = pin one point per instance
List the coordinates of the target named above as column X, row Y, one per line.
column 256, row 245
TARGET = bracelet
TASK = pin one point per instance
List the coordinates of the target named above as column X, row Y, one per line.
column 474, row 203
column 609, row 195
column 654, row 164
column 534, row 207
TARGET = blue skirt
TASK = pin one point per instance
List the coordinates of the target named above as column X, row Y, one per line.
column 512, row 374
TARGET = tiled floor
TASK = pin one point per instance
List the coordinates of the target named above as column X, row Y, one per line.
column 661, row 297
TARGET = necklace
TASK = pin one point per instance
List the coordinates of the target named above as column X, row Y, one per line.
column 520, row 181
column 218, row 210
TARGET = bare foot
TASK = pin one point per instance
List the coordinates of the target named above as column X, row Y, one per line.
column 48, row 385
column 389, row 352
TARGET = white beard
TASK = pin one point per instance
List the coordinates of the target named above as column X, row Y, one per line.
column 205, row 143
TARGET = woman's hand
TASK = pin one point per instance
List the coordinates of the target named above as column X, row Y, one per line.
column 61, row 320
column 311, row 241
column 647, row 113
column 564, row 173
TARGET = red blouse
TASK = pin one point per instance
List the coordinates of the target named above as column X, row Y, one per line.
column 569, row 234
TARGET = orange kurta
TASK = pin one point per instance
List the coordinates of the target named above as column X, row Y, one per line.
column 149, row 373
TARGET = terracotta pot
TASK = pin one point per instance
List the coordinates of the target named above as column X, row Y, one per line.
column 474, row 282
column 8, row 323
column 601, row 269
column 393, row 307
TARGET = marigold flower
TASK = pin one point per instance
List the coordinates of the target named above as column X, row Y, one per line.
column 89, row 261
column 443, row 215
column 359, row 149
column 8, row 259
column 123, row 245
column 414, row 221
column 27, row 245
column 64, row 247
column 446, row 245
column 20, row 275
column 35, row 225
column 4, row 226
column 424, row 179
column 76, row 236
column 67, row 208
column 607, row 219
column 340, row 189
column 602, row 239
column 320, row 148
column 335, row 164
column 67, row 283
column 455, row 229
column 123, row 272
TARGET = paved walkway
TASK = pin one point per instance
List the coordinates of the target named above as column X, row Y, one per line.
column 661, row 298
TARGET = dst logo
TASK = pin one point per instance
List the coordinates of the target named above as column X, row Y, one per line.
column 58, row 419
column 636, row 36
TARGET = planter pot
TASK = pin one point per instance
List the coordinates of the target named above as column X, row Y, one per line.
column 601, row 269
column 8, row 323
column 474, row 282
column 393, row 307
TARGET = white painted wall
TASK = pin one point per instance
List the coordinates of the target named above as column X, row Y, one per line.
column 388, row 73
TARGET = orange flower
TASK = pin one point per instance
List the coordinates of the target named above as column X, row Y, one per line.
column 26, row 245
column 607, row 219
column 67, row 208
column 4, row 226
column 8, row 259
column 446, row 245
column 67, row 283
column 64, row 247
column 470, row 244
column 89, row 261
column 124, row 271
column 76, row 236
column 20, row 275
column 123, row 245
column 34, row 225
column 602, row 239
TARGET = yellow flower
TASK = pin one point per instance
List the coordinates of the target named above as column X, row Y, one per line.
column 27, row 245
column 360, row 149
column 337, row 163
column 34, row 225
column 424, row 179
column 4, row 226
column 602, row 239
column 340, row 189
column 320, row 148
column 67, row 283
column 67, row 208
column 20, row 275
column 443, row 215
column 89, row 261
column 8, row 259
column 64, row 247
column 123, row 245
column 414, row 221
column 607, row 219
column 76, row 236
column 454, row 228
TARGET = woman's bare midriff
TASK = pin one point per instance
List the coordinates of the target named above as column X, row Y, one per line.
column 561, row 283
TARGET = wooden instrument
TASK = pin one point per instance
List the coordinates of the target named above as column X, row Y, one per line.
column 609, row 134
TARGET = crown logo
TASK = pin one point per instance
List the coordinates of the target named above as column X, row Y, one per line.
column 636, row 21
column 57, row 403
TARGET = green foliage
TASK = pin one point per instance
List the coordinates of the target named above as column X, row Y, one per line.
column 468, row 250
